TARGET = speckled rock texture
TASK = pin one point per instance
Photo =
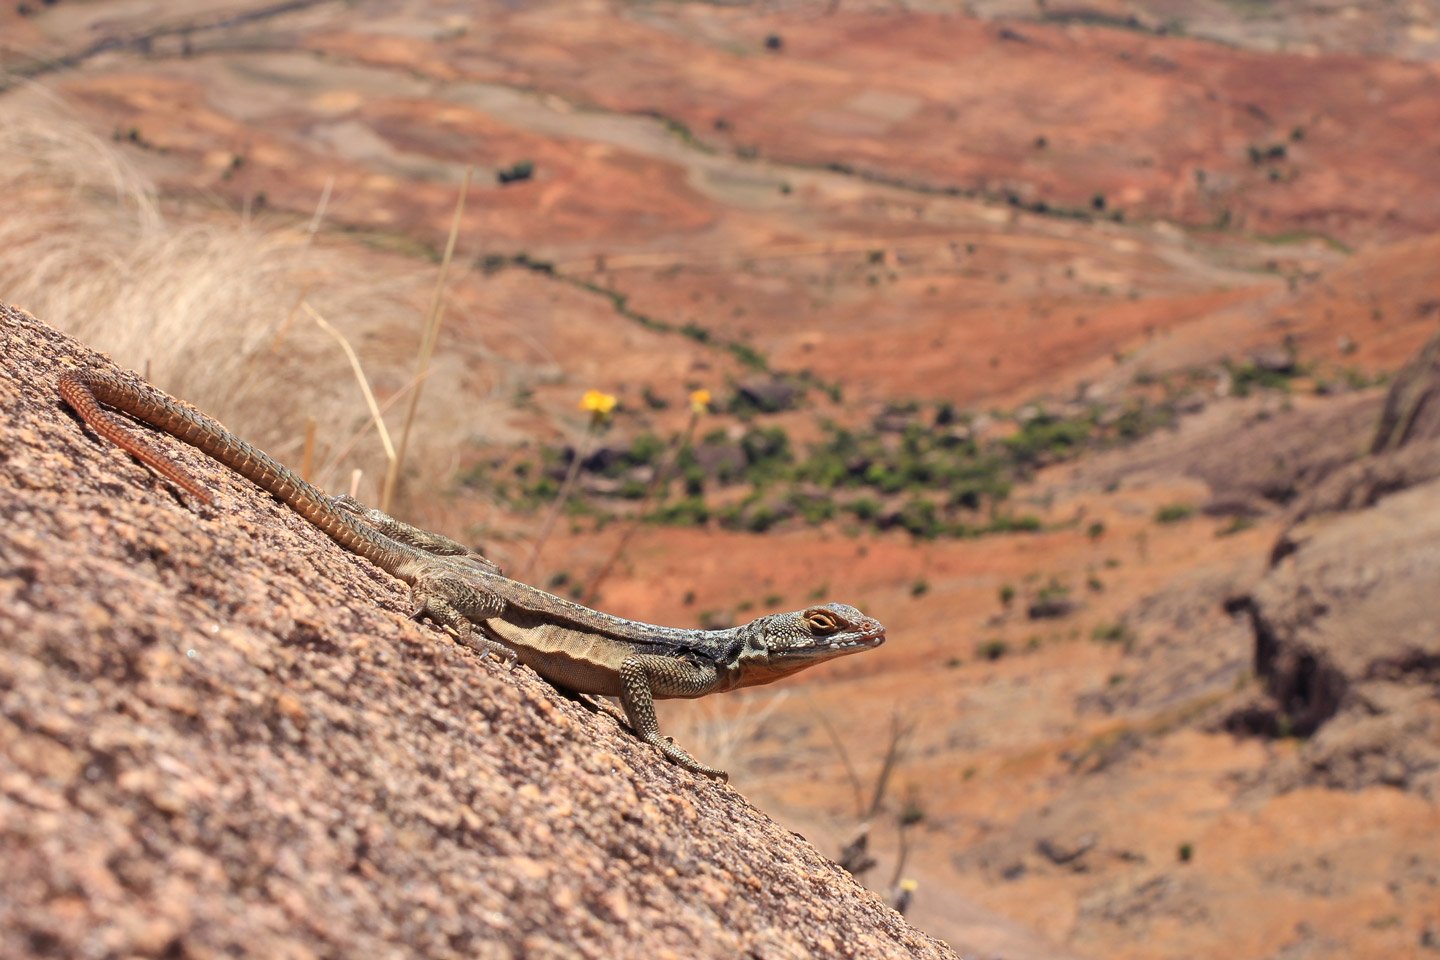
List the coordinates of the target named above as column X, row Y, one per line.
column 220, row 735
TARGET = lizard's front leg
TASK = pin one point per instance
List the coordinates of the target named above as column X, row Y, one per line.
column 644, row 675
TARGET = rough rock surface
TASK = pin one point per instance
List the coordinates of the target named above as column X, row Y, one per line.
column 1404, row 450
column 220, row 734
column 1347, row 620
column 1348, row 644
column 1259, row 461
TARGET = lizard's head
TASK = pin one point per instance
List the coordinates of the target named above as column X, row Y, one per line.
column 783, row 643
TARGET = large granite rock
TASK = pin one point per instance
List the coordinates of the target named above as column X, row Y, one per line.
column 1347, row 619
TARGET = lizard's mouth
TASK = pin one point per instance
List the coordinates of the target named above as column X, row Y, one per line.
column 866, row 637
column 872, row 636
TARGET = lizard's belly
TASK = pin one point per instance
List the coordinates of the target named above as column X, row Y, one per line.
column 584, row 664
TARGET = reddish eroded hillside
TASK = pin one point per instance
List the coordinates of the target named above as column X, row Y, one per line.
column 1070, row 117
column 905, row 206
column 812, row 266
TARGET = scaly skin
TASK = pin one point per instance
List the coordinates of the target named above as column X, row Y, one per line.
column 571, row 645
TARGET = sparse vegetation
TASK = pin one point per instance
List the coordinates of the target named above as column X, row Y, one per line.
column 916, row 469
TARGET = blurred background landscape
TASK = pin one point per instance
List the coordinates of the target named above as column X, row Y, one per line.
column 1083, row 344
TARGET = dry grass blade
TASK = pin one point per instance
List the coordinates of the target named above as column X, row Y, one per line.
column 427, row 346
column 307, row 458
column 359, row 371
column 342, row 451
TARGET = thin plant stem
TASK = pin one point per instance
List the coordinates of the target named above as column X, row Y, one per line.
column 307, row 459
column 581, row 453
column 900, row 731
column 359, row 372
column 658, row 484
column 844, row 755
column 343, row 450
column 427, row 345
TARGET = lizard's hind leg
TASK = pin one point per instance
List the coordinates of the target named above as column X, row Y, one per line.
column 451, row 602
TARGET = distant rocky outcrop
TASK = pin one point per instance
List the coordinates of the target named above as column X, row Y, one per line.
column 1347, row 618
column 221, row 734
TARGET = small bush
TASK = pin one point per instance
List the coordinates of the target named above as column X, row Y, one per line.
column 920, row 519
column 516, row 172
column 689, row 512
column 1174, row 513
column 1116, row 633
column 866, row 509
column 1236, row 525
column 992, row 649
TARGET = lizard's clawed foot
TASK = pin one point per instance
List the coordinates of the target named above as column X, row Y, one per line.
column 666, row 745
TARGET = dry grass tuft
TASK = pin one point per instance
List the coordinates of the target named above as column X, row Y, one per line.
column 208, row 309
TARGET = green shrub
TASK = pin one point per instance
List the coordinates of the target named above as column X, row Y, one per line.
column 1046, row 439
column 866, row 509
column 516, row 172
column 992, row 649
column 1236, row 525
column 1174, row 513
column 1009, row 523
column 689, row 512
column 1116, row 633
column 920, row 518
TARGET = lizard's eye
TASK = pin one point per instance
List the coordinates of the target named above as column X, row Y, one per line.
column 822, row 621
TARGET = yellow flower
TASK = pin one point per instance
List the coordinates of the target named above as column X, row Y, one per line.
column 699, row 402
column 599, row 405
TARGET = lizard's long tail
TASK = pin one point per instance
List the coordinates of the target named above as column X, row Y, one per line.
column 86, row 390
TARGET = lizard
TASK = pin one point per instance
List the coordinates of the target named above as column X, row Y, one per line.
column 572, row 646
